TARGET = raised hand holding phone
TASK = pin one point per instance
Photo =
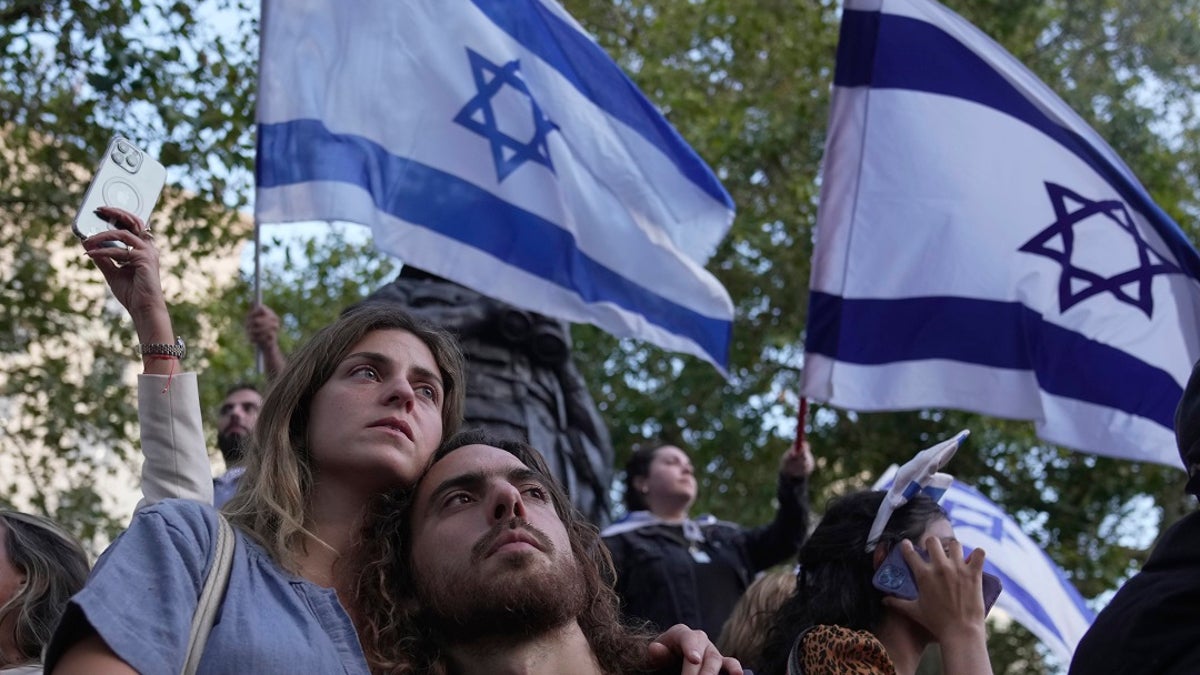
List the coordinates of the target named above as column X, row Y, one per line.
column 131, row 269
column 128, row 179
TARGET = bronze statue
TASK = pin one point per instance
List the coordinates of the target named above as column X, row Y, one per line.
column 521, row 381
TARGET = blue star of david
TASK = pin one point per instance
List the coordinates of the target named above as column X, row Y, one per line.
column 1140, row 278
column 478, row 115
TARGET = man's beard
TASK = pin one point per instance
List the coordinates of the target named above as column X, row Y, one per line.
column 232, row 447
column 521, row 602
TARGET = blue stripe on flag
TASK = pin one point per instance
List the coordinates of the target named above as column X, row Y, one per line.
column 1065, row 583
column 990, row 333
column 1022, row 596
column 594, row 74
column 886, row 51
column 1001, row 558
column 300, row 151
column 856, row 48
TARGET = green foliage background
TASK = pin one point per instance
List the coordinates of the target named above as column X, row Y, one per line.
column 746, row 82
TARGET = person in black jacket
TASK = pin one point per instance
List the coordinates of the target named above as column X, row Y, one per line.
column 674, row 569
column 1152, row 624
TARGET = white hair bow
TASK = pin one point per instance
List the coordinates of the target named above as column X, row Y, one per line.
column 918, row 475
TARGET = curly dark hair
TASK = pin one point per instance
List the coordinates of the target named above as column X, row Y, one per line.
column 398, row 641
column 834, row 585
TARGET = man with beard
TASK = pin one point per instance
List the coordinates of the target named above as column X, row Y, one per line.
column 235, row 422
column 507, row 578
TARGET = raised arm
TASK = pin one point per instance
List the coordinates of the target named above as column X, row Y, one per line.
column 176, row 457
column 782, row 537
column 262, row 327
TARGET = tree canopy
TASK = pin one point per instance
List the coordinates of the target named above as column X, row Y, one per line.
column 746, row 82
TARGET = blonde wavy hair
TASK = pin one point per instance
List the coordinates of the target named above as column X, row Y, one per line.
column 271, row 503
column 744, row 633
column 55, row 568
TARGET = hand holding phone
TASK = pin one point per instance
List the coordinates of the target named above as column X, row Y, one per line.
column 126, row 178
column 894, row 577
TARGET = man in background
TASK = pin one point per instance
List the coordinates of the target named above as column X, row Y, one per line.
column 235, row 422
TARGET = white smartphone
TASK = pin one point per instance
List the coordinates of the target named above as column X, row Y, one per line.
column 127, row 178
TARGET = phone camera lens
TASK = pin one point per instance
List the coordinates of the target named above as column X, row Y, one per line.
column 123, row 147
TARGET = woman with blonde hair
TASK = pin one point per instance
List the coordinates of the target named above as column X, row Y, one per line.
column 357, row 412
column 41, row 566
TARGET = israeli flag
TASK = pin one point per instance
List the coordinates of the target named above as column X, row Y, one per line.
column 1036, row 593
column 493, row 143
column 979, row 247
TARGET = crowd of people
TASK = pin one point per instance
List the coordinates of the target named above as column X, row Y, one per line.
column 358, row 529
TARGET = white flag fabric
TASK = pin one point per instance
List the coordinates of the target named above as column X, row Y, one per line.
column 1036, row 593
column 979, row 247
column 493, row 143
column 919, row 475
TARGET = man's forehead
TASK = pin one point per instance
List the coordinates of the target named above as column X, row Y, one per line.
column 471, row 459
column 242, row 396
column 472, row 463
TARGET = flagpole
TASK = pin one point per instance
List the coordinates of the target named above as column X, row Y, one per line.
column 259, row 357
column 801, row 415
column 259, row 366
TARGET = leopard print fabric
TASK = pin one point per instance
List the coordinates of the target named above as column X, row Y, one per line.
column 834, row 650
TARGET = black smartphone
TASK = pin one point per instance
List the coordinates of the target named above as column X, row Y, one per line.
column 895, row 577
